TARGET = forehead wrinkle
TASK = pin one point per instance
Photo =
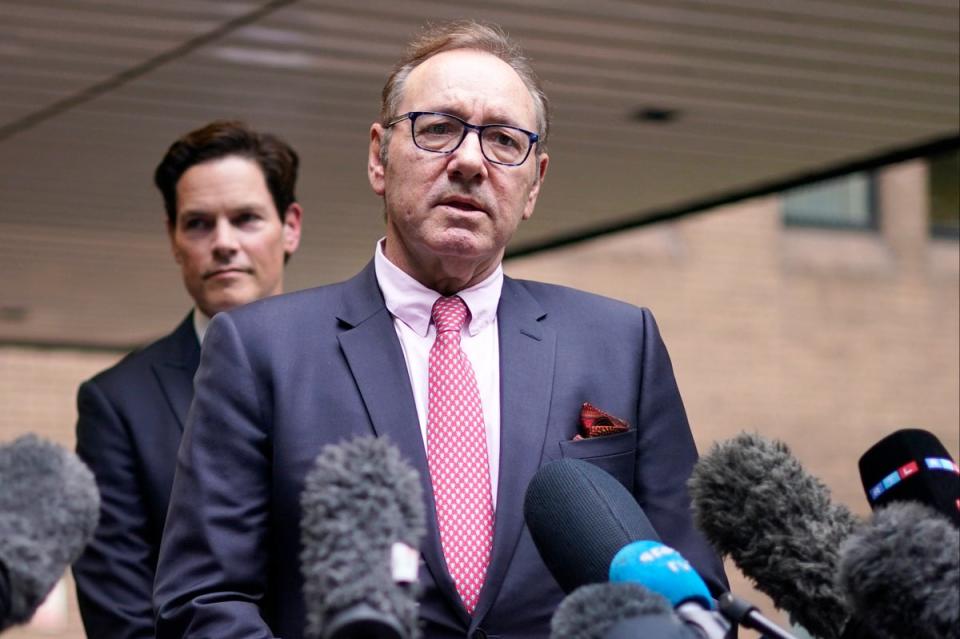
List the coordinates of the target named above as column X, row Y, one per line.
column 469, row 85
column 492, row 115
column 227, row 185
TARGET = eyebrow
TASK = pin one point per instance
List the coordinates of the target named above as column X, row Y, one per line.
column 193, row 213
column 240, row 210
column 249, row 208
column 498, row 118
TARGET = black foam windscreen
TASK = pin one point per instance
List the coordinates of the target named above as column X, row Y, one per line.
column 579, row 517
column 651, row 627
column 49, row 508
column 912, row 465
column 755, row 502
column 591, row 611
column 360, row 501
column 901, row 574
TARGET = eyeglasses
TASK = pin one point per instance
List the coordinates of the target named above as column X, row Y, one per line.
column 444, row 133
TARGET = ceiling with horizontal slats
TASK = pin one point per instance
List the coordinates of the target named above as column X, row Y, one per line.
column 93, row 91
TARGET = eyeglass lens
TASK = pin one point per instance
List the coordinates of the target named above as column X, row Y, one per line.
column 443, row 133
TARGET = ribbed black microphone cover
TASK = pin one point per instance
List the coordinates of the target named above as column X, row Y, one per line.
column 579, row 517
column 897, row 469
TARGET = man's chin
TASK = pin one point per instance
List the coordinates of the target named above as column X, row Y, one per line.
column 227, row 300
column 462, row 244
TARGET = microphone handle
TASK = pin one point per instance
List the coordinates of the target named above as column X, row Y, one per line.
column 855, row 629
column 746, row 614
column 362, row 621
column 705, row 623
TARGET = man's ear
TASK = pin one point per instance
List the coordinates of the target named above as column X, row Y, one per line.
column 375, row 167
column 292, row 224
column 542, row 161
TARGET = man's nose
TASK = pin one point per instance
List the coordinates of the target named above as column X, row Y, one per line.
column 467, row 161
column 225, row 241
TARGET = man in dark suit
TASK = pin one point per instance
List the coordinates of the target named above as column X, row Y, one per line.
column 479, row 379
column 232, row 220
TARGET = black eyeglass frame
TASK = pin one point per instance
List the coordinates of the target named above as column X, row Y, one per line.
column 467, row 127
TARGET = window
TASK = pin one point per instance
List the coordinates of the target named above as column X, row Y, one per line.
column 848, row 201
column 944, row 188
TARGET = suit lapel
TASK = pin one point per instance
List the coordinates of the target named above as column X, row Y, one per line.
column 527, row 356
column 175, row 373
column 375, row 357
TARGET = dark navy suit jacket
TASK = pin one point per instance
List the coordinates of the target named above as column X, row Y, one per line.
column 131, row 418
column 283, row 377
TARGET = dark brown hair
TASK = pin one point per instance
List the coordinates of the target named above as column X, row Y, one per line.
column 222, row 138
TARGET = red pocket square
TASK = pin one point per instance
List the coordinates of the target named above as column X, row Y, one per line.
column 597, row 423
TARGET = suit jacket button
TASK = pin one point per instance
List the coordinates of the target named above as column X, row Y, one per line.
column 479, row 633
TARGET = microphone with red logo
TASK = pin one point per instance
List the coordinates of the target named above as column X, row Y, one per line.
column 912, row 465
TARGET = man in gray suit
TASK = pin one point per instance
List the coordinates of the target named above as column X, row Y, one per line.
column 479, row 379
column 232, row 221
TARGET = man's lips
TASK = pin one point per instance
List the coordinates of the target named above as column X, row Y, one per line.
column 226, row 272
column 463, row 204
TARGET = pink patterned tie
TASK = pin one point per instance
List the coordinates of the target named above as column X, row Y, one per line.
column 457, row 455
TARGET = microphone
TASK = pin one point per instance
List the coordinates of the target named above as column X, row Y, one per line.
column 901, row 573
column 664, row 571
column 912, row 465
column 650, row 627
column 755, row 502
column 363, row 519
column 579, row 517
column 49, row 508
column 747, row 615
column 601, row 610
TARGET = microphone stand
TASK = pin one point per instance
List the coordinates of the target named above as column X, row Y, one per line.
column 748, row 616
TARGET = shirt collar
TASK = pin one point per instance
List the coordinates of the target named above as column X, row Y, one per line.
column 411, row 302
column 200, row 324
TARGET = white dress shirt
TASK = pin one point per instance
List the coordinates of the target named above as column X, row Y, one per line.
column 200, row 323
column 410, row 303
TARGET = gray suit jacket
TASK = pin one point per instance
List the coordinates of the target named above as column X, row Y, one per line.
column 282, row 377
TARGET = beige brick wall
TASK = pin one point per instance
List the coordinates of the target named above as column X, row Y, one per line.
column 38, row 390
column 825, row 339
column 38, row 394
